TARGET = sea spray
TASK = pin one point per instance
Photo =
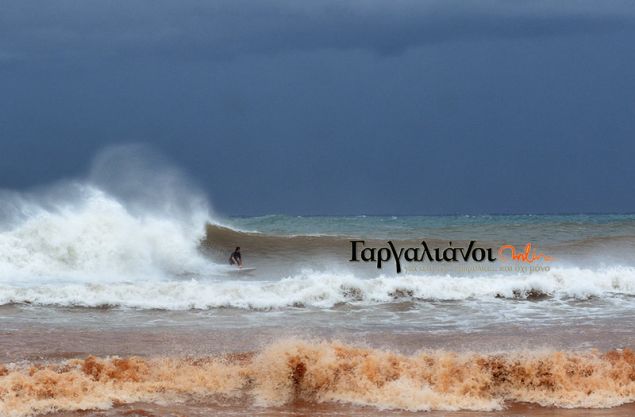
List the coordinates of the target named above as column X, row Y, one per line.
column 133, row 217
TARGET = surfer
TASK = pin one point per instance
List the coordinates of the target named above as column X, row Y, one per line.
column 235, row 258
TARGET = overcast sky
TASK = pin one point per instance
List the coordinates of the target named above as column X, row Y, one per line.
column 332, row 107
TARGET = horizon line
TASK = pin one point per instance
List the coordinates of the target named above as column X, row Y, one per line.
column 440, row 215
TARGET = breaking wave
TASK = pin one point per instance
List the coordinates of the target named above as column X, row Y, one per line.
column 322, row 372
column 325, row 290
column 128, row 220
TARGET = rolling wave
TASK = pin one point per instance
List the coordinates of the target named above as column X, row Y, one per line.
column 326, row 372
column 220, row 238
column 97, row 238
column 325, row 290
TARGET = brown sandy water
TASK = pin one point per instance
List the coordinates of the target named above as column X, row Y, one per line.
column 85, row 369
column 303, row 409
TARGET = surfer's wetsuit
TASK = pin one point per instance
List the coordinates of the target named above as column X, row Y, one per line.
column 235, row 258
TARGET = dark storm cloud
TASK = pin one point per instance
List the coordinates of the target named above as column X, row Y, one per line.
column 78, row 31
column 393, row 107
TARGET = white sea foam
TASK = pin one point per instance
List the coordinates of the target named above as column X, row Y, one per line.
column 97, row 237
column 126, row 221
column 323, row 290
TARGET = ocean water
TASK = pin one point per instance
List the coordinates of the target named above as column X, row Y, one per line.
column 119, row 305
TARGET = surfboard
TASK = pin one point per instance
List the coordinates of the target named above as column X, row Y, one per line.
column 241, row 271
